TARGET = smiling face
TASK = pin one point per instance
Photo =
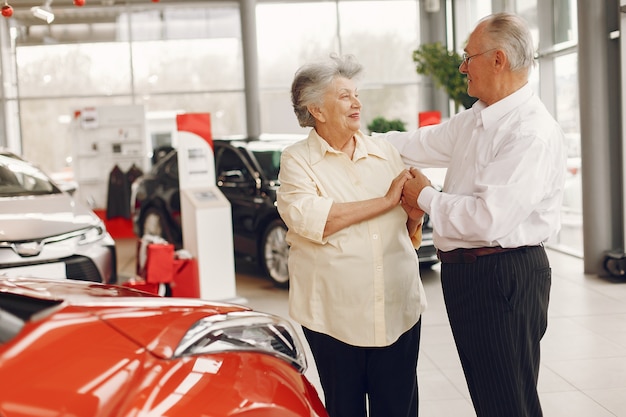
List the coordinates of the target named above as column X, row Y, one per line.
column 340, row 112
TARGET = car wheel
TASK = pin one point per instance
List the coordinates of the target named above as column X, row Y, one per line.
column 274, row 252
column 154, row 224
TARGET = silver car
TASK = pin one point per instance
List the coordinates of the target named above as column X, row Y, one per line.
column 45, row 232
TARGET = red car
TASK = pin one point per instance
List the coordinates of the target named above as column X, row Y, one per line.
column 78, row 348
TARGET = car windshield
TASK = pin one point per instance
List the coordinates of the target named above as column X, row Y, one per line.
column 16, row 309
column 19, row 178
column 269, row 161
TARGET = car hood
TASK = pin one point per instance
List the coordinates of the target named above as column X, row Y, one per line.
column 37, row 217
column 156, row 323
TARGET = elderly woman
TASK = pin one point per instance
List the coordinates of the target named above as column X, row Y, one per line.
column 354, row 275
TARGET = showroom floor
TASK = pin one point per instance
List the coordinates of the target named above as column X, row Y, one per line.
column 583, row 372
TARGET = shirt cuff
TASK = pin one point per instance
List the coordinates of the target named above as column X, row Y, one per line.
column 425, row 199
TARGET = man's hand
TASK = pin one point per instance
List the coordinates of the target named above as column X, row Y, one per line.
column 414, row 213
column 412, row 189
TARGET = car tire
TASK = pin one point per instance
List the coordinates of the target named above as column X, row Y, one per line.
column 155, row 224
column 274, row 252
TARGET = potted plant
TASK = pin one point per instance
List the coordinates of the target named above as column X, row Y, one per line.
column 435, row 61
column 382, row 125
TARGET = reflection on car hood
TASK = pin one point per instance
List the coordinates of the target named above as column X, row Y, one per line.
column 36, row 217
column 156, row 323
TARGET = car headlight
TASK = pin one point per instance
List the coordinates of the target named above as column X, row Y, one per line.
column 245, row 331
column 92, row 234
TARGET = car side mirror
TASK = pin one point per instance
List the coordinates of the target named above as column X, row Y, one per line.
column 232, row 175
column 232, row 178
column 68, row 187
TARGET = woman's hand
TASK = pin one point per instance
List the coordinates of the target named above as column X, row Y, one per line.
column 394, row 194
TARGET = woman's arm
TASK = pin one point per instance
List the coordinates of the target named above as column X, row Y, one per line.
column 342, row 215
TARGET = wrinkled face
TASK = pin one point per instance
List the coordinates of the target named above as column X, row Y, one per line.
column 478, row 65
column 341, row 109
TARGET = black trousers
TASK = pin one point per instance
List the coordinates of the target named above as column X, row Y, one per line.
column 355, row 379
column 498, row 309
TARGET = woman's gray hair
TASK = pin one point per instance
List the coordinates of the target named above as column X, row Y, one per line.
column 510, row 33
column 312, row 80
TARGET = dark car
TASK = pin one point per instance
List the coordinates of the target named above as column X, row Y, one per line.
column 247, row 174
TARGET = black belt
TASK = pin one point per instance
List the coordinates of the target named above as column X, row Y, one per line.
column 468, row 256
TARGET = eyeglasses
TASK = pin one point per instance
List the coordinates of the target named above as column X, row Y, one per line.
column 467, row 58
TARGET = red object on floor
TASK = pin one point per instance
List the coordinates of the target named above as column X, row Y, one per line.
column 118, row 227
column 140, row 284
column 186, row 279
column 160, row 263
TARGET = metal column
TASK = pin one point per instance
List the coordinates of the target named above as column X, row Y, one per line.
column 250, row 67
column 600, row 133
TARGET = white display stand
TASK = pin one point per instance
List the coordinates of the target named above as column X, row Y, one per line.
column 208, row 236
column 205, row 213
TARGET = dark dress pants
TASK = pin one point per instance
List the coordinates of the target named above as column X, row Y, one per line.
column 355, row 379
column 498, row 309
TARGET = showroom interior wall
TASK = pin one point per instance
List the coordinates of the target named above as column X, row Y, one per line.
column 199, row 60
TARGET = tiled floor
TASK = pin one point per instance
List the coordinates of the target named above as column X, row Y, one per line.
column 583, row 371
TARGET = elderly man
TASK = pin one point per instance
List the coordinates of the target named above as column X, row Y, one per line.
column 500, row 202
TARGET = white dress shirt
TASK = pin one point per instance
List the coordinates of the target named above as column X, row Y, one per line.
column 506, row 166
column 360, row 285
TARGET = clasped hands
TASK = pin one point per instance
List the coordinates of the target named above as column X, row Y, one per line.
column 405, row 189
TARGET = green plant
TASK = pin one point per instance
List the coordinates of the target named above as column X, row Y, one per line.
column 382, row 125
column 435, row 61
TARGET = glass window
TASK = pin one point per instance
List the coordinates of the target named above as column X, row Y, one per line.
column 528, row 10
column 18, row 178
column 187, row 65
column 229, row 164
column 182, row 23
column 269, row 160
column 382, row 35
column 567, row 101
column 59, row 33
column 390, row 102
column 277, row 114
column 73, row 69
column 190, row 59
column 467, row 13
column 365, row 29
column 285, row 40
column 565, row 21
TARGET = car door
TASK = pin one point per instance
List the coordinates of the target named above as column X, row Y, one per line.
column 239, row 182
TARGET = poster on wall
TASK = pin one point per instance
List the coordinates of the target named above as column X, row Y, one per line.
column 89, row 118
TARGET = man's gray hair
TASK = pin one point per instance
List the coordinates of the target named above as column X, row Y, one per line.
column 510, row 33
column 312, row 80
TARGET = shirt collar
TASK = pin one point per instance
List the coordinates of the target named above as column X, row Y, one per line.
column 491, row 114
column 319, row 147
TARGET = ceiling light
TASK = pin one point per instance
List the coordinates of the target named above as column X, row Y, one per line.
column 43, row 12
